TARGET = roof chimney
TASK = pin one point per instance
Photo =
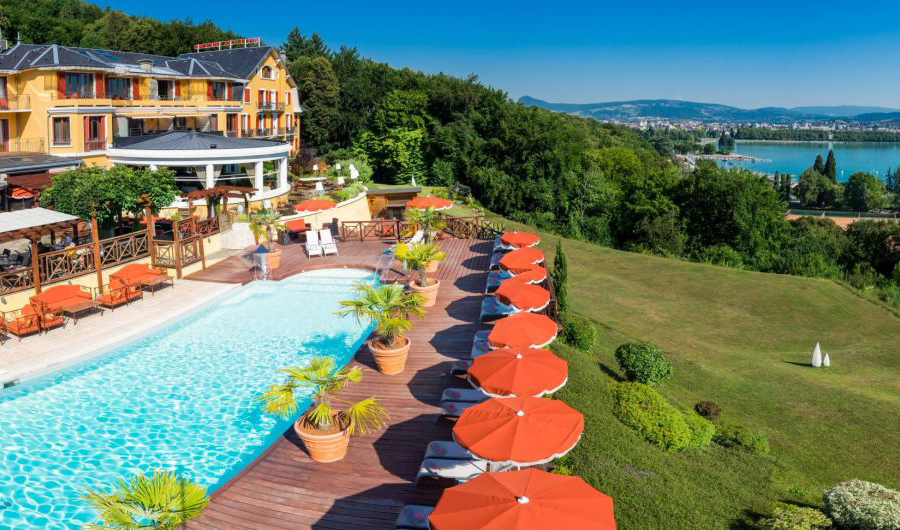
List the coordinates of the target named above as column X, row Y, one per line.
column 146, row 64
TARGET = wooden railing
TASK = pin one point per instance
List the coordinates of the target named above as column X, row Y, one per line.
column 392, row 229
column 15, row 281
column 207, row 227
column 67, row 263
column 120, row 249
column 176, row 254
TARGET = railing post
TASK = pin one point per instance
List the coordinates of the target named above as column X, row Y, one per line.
column 202, row 252
column 95, row 238
column 151, row 232
column 35, row 265
column 176, row 236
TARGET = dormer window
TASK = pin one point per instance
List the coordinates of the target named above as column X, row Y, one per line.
column 267, row 72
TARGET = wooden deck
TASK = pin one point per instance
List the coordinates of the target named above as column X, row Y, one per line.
column 284, row 489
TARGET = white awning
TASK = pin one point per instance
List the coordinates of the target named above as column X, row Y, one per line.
column 30, row 218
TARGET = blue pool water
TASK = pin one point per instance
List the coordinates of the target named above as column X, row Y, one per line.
column 181, row 398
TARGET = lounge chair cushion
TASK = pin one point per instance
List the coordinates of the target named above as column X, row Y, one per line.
column 448, row 450
column 472, row 395
column 297, row 225
column 455, row 408
column 414, row 517
column 60, row 296
column 460, row 470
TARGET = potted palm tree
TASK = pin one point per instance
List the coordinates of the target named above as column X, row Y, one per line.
column 161, row 501
column 417, row 258
column 389, row 308
column 324, row 429
column 264, row 225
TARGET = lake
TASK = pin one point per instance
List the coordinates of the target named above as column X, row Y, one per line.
column 794, row 157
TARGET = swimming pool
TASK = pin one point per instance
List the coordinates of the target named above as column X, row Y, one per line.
column 181, row 398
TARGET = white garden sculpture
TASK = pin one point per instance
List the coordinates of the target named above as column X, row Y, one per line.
column 817, row 357
column 827, row 361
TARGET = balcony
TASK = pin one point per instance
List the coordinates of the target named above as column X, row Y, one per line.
column 15, row 103
column 270, row 106
column 95, row 145
column 29, row 145
column 268, row 132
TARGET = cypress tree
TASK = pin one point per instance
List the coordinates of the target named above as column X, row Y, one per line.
column 560, row 276
column 819, row 165
column 831, row 167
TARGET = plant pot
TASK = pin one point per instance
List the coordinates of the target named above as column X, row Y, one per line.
column 323, row 446
column 430, row 292
column 390, row 361
column 273, row 258
column 432, row 267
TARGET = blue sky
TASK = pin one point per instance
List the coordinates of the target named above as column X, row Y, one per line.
column 748, row 54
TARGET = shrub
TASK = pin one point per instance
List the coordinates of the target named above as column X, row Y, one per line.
column 702, row 430
column 721, row 255
column 743, row 438
column 784, row 516
column 642, row 362
column 864, row 505
column 578, row 331
column 642, row 408
column 708, row 410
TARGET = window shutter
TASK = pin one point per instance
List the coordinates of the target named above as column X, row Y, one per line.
column 87, row 132
column 136, row 87
column 209, row 92
column 177, row 88
column 61, row 85
column 246, row 94
column 103, row 130
column 228, row 92
column 98, row 85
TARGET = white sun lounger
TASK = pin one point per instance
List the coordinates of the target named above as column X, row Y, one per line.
column 414, row 517
column 458, row 470
column 328, row 245
column 313, row 248
column 416, row 238
column 448, row 450
column 492, row 309
column 472, row 395
column 452, row 409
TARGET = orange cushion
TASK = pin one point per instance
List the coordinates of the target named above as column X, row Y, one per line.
column 297, row 225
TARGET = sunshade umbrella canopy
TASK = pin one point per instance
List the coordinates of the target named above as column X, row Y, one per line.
column 521, row 260
column 536, row 274
column 518, row 372
column 521, row 431
column 519, row 239
column 311, row 206
column 523, row 330
column 523, row 296
column 529, row 499
column 423, row 203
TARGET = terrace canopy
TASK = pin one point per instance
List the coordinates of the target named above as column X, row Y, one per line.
column 34, row 223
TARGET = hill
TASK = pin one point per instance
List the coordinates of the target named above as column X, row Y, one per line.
column 744, row 340
column 706, row 112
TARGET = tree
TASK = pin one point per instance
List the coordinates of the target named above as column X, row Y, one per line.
column 395, row 139
column 560, row 277
column 319, row 92
column 110, row 192
column 830, row 168
column 872, row 244
column 816, row 190
column 864, row 192
column 162, row 501
column 819, row 165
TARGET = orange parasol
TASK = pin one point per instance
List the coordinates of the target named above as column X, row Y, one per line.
column 529, row 499
column 423, row 203
column 521, row 260
column 518, row 372
column 522, row 296
column 536, row 274
column 519, row 239
column 314, row 207
column 523, row 330
column 521, row 431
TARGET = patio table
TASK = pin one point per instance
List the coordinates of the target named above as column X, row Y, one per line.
column 154, row 282
column 73, row 311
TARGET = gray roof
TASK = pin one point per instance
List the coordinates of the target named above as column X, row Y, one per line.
column 30, row 218
column 242, row 61
column 32, row 161
column 25, row 56
column 191, row 140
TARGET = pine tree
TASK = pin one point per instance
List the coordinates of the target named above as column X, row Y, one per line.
column 819, row 165
column 560, row 276
column 831, row 167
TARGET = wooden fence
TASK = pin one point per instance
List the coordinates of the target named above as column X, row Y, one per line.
column 395, row 229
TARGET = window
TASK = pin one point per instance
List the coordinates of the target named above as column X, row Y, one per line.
column 94, row 133
column 287, row 97
column 216, row 91
column 267, row 72
column 61, row 135
column 214, row 122
column 166, row 89
column 245, row 124
column 117, row 88
column 179, row 123
column 79, row 85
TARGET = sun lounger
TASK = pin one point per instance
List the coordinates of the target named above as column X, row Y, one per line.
column 448, row 450
column 492, row 309
column 414, row 517
column 328, row 245
column 493, row 280
column 452, row 409
column 495, row 260
column 313, row 248
column 472, row 395
column 458, row 470
column 416, row 238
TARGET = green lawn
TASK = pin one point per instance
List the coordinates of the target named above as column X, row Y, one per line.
column 741, row 339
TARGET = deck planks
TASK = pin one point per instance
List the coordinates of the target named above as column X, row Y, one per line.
column 284, row 489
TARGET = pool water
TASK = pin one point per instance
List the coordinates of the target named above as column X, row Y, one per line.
column 182, row 398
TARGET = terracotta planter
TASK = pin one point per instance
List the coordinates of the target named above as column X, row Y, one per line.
column 273, row 258
column 390, row 361
column 432, row 267
column 323, row 447
column 430, row 292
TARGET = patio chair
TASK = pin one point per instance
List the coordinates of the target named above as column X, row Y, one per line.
column 328, row 245
column 414, row 517
column 313, row 247
column 416, row 238
column 117, row 293
column 21, row 322
column 48, row 317
column 458, row 470
column 296, row 227
column 140, row 275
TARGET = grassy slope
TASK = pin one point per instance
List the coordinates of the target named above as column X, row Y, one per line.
column 738, row 338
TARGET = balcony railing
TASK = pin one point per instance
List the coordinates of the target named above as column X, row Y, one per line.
column 95, row 145
column 270, row 106
column 15, row 103
column 77, row 94
column 31, row 145
column 268, row 132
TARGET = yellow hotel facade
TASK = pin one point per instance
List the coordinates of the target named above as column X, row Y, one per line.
column 219, row 116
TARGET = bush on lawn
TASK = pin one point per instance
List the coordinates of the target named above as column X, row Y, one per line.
column 743, row 438
column 645, row 410
column 642, row 362
column 863, row 505
column 708, row 410
column 783, row 516
column 702, row 430
column 578, row 332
